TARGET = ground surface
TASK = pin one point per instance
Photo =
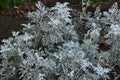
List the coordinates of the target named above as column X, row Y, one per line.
column 12, row 18
column 9, row 24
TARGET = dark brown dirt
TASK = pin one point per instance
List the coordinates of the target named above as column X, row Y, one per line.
column 9, row 24
column 12, row 18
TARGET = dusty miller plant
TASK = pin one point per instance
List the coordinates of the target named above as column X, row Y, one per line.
column 53, row 26
column 49, row 49
column 103, row 28
column 28, row 56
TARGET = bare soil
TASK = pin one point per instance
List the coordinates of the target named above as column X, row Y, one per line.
column 9, row 24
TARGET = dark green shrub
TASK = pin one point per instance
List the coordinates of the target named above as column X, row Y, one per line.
column 95, row 3
column 16, row 2
column 4, row 4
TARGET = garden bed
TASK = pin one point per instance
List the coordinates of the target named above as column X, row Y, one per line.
column 50, row 48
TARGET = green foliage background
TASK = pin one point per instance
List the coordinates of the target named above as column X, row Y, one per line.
column 95, row 3
column 4, row 4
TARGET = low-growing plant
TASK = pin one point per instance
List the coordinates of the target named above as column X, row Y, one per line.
column 49, row 47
